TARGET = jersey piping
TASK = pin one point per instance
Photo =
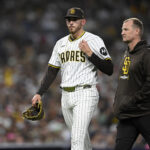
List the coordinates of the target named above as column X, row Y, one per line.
column 53, row 66
column 71, row 40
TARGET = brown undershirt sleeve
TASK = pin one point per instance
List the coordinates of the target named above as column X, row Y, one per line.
column 106, row 66
column 49, row 77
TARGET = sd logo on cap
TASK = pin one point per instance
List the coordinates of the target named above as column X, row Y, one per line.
column 75, row 12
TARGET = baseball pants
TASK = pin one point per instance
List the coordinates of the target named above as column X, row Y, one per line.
column 78, row 108
column 129, row 129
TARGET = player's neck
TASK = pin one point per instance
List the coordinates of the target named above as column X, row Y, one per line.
column 77, row 34
column 133, row 44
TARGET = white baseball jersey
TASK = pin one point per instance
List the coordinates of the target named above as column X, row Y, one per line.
column 76, row 69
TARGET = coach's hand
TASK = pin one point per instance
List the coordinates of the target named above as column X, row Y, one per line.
column 84, row 47
column 36, row 99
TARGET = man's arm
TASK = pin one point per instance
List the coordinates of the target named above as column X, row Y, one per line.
column 49, row 77
column 106, row 66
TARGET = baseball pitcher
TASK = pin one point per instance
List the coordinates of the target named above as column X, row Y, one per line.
column 78, row 56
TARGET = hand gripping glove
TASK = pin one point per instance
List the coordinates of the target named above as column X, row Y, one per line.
column 34, row 112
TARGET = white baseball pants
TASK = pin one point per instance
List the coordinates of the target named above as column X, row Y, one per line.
column 78, row 108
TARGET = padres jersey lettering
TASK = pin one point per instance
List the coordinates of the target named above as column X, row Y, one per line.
column 74, row 63
column 72, row 56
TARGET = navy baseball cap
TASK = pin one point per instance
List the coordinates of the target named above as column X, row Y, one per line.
column 75, row 12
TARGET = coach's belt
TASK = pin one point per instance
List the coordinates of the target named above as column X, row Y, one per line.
column 72, row 89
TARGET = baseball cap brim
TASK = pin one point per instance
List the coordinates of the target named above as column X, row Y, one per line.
column 72, row 16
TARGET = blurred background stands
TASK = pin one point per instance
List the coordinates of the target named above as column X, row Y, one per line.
column 28, row 32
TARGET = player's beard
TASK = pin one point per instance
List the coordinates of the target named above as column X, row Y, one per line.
column 74, row 30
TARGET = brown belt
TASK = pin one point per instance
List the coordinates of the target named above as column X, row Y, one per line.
column 72, row 89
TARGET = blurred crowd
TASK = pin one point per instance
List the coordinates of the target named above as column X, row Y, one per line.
column 28, row 32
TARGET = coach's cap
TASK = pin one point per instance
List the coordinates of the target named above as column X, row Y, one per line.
column 75, row 12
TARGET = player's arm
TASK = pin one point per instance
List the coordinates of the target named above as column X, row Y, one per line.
column 104, row 65
column 52, row 70
column 49, row 77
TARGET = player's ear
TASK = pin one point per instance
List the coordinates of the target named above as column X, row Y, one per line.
column 137, row 31
column 83, row 22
